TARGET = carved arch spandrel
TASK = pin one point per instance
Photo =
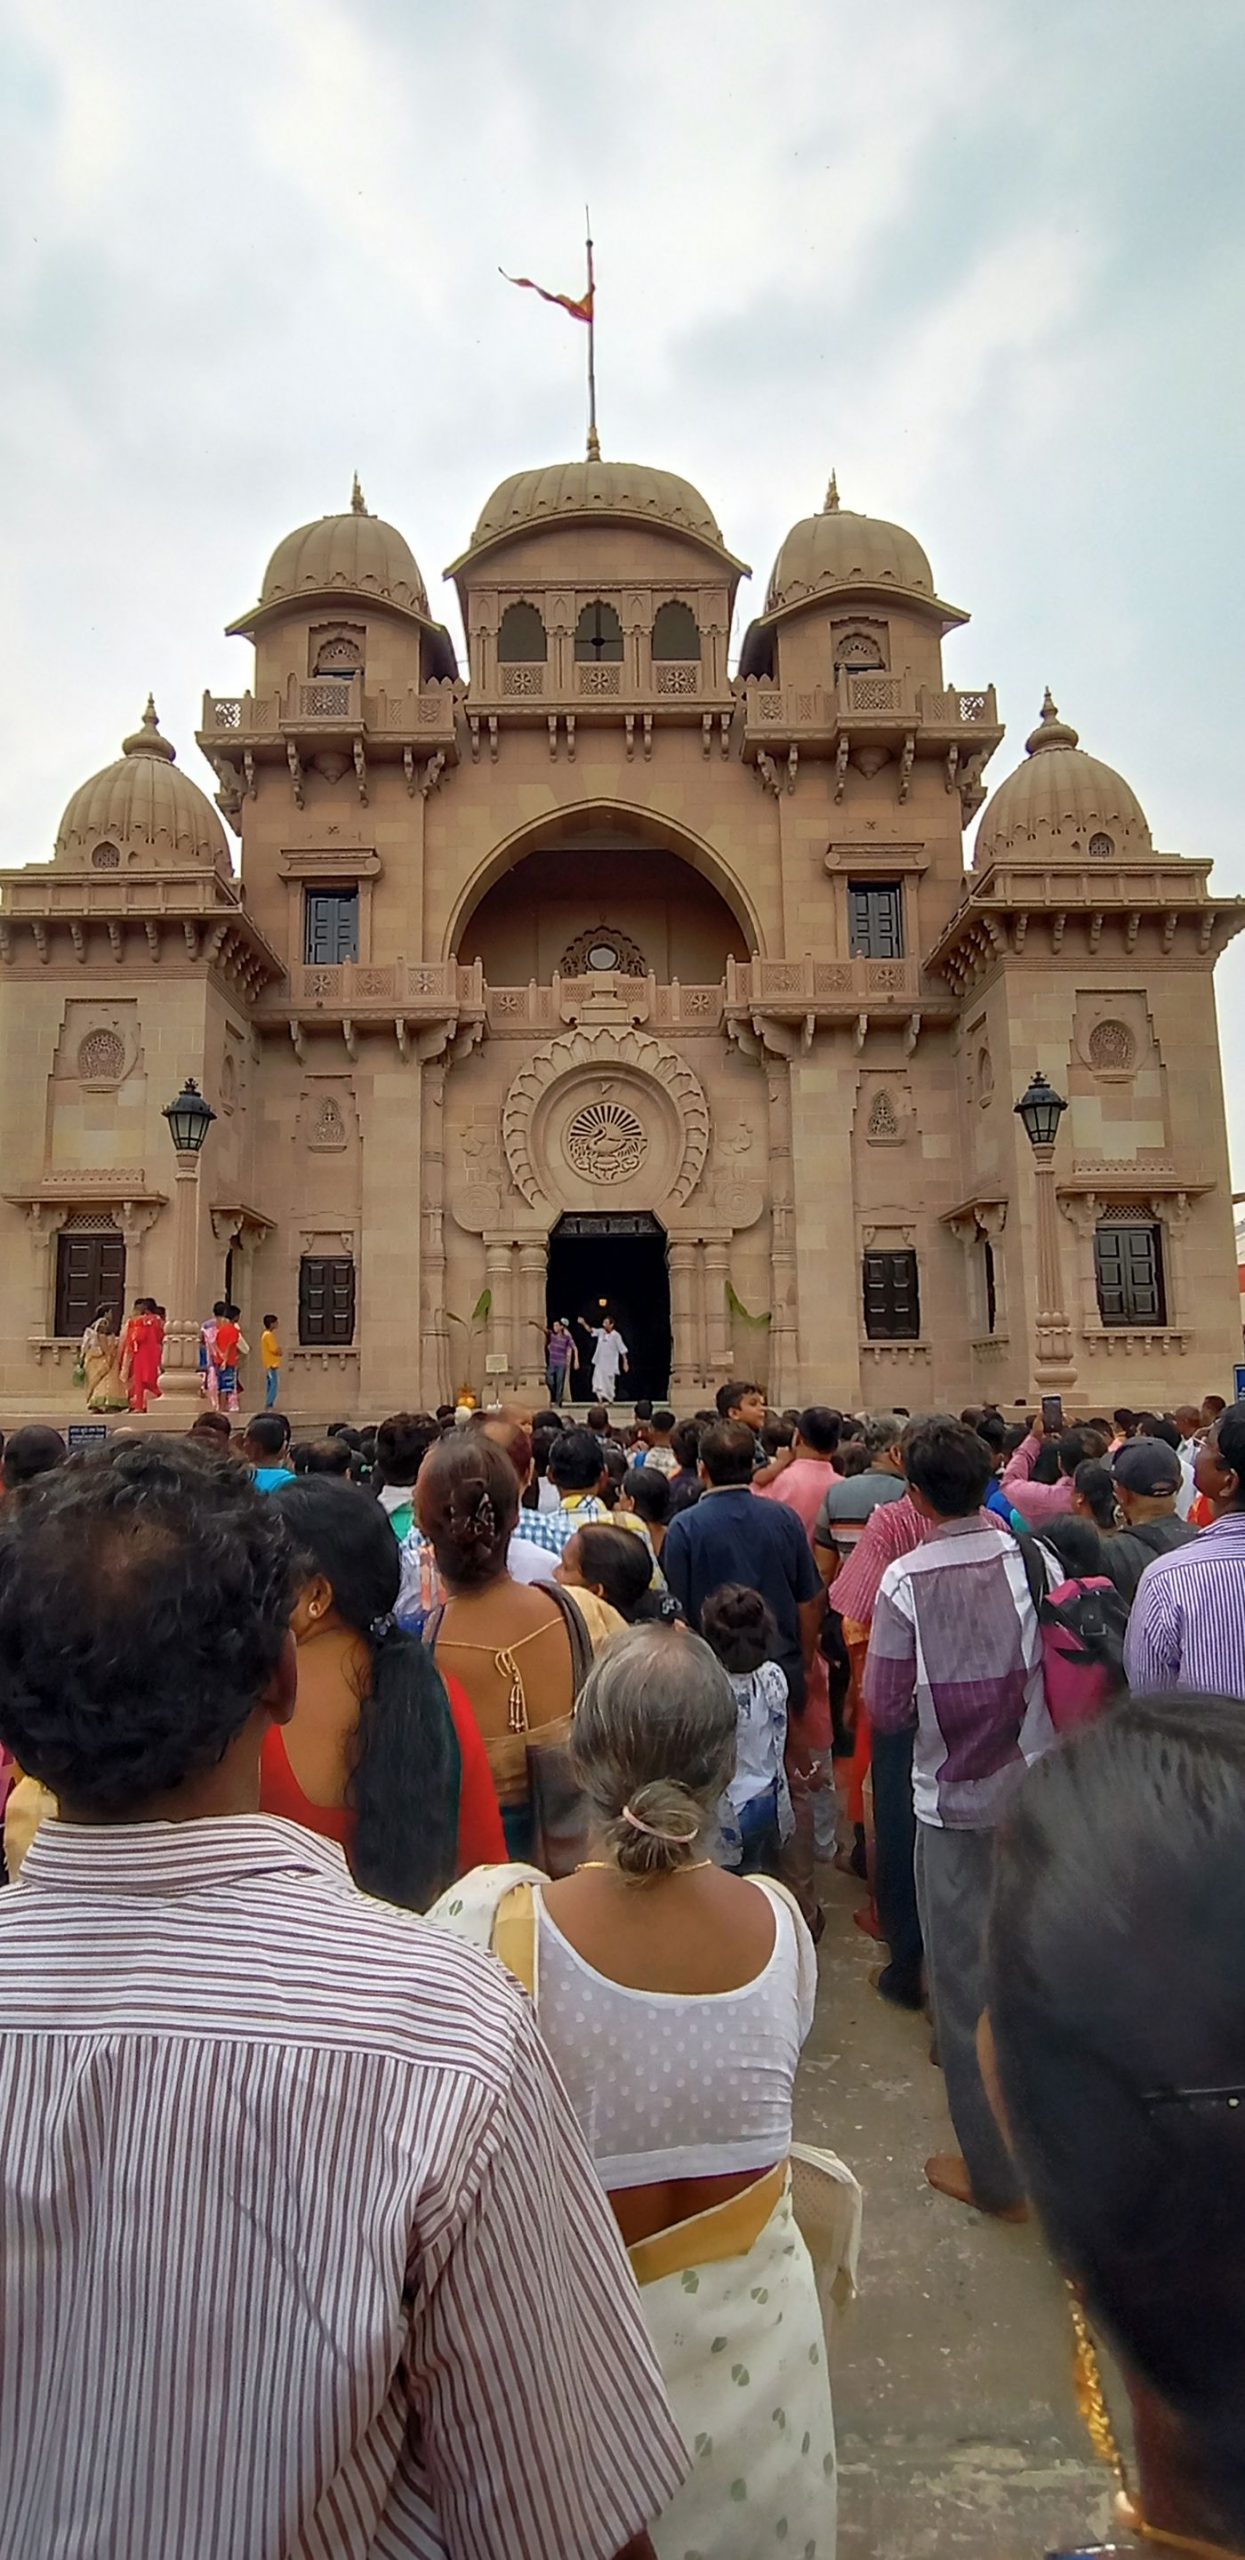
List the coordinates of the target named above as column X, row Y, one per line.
column 580, row 1051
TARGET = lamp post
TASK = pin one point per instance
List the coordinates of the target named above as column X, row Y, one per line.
column 189, row 1119
column 1040, row 1110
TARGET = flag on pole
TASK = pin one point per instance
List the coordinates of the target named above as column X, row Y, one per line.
column 581, row 310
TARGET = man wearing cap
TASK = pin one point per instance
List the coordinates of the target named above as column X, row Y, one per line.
column 1147, row 1485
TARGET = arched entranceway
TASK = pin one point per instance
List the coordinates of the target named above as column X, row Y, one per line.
column 613, row 1262
column 692, row 909
column 568, row 910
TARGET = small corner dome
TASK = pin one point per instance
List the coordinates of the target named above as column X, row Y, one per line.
column 835, row 551
column 1062, row 801
column 141, row 808
column 631, row 492
column 345, row 556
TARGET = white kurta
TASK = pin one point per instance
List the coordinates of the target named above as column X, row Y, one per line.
column 607, row 1360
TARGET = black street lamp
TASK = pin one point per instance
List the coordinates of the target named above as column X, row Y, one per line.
column 1041, row 1110
column 189, row 1119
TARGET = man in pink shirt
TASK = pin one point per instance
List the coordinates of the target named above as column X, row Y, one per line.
column 1038, row 1503
column 802, row 1481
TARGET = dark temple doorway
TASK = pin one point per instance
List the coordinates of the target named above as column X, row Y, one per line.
column 614, row 1263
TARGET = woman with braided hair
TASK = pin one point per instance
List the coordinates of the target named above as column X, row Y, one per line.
column 383, row 1754
column 521, row 1650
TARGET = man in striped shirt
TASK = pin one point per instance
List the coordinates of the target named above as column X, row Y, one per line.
column 302, row 2252
column 1186, row 1628
column 956, row 1653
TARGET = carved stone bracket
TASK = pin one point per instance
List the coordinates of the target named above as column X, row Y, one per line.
column 974, row 1219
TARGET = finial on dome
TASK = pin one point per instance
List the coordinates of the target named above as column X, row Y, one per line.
column 357, row 505
column 147, row 740
column 594, row 445
column 1051, row 731
column 831, row 507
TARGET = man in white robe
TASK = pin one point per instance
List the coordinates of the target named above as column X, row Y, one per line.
column 609, row 1355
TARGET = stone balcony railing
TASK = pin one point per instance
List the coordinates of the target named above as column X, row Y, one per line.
column 428, row 989
column 858, row 701
column 793, row 988
column 330, row 707
column 658, row 686
column 606, row 995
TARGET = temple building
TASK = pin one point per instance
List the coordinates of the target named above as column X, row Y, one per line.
column 599, row 974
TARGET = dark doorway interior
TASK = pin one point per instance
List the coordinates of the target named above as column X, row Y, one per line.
column 614, row 1263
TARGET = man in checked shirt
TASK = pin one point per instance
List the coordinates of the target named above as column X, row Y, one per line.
column 303, row 2254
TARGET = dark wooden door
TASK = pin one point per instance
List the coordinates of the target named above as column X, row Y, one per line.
column 90, row 1274
column 326, row 1299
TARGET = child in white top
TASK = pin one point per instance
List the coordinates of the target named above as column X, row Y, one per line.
column 755, row 1814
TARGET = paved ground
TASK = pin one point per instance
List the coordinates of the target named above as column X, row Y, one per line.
column 958, row 2432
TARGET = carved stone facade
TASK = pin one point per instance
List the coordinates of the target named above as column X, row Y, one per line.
column 597, row 975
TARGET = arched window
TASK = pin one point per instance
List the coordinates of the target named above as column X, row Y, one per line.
column 340, row 654
column 598, row 636
column 857, row 653
column 521, row 638
column 675, row 634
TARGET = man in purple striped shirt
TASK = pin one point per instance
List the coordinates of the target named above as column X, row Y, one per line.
column 956, row 1651
column 1186, row 1629
column 302, row 2255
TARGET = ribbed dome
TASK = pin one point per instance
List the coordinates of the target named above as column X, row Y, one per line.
column 1061, row 801
column 826, row 553
column 352, row 555
column 632, row 491
column 141, row 807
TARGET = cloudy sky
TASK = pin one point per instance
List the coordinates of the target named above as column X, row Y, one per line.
column 984, row 258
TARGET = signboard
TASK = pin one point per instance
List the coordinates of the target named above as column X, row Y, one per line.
column 496, row 1364
column 1238, row 1375
column 86, row 1435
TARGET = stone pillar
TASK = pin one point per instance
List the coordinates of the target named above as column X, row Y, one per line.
column 719, row 1346
column 181, row 1340
column 1053, row 1364
column 499, row 1276
column 783, row 1380
column 435, row 1383
column 389, row 1251
column 686, row 1362
column 45, row 1221
column 530, row 1349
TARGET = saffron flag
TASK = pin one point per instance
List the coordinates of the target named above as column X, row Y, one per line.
column 578, row 310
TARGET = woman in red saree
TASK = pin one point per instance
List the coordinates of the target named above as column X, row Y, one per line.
column 144, row 1343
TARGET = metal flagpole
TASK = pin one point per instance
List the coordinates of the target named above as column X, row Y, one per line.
column 594, row 441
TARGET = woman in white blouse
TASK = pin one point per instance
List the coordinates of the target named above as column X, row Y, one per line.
column 675, row 1999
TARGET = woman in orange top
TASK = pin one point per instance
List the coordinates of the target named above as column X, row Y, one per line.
column 382, row 1755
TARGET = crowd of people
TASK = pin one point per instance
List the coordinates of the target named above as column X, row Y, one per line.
column 417, row 1837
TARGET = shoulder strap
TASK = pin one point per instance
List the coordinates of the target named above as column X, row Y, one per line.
column 1035, row 1569
column 576, row 1629
column 514, row 1936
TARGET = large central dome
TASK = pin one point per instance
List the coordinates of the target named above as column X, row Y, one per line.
column 572, row 492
